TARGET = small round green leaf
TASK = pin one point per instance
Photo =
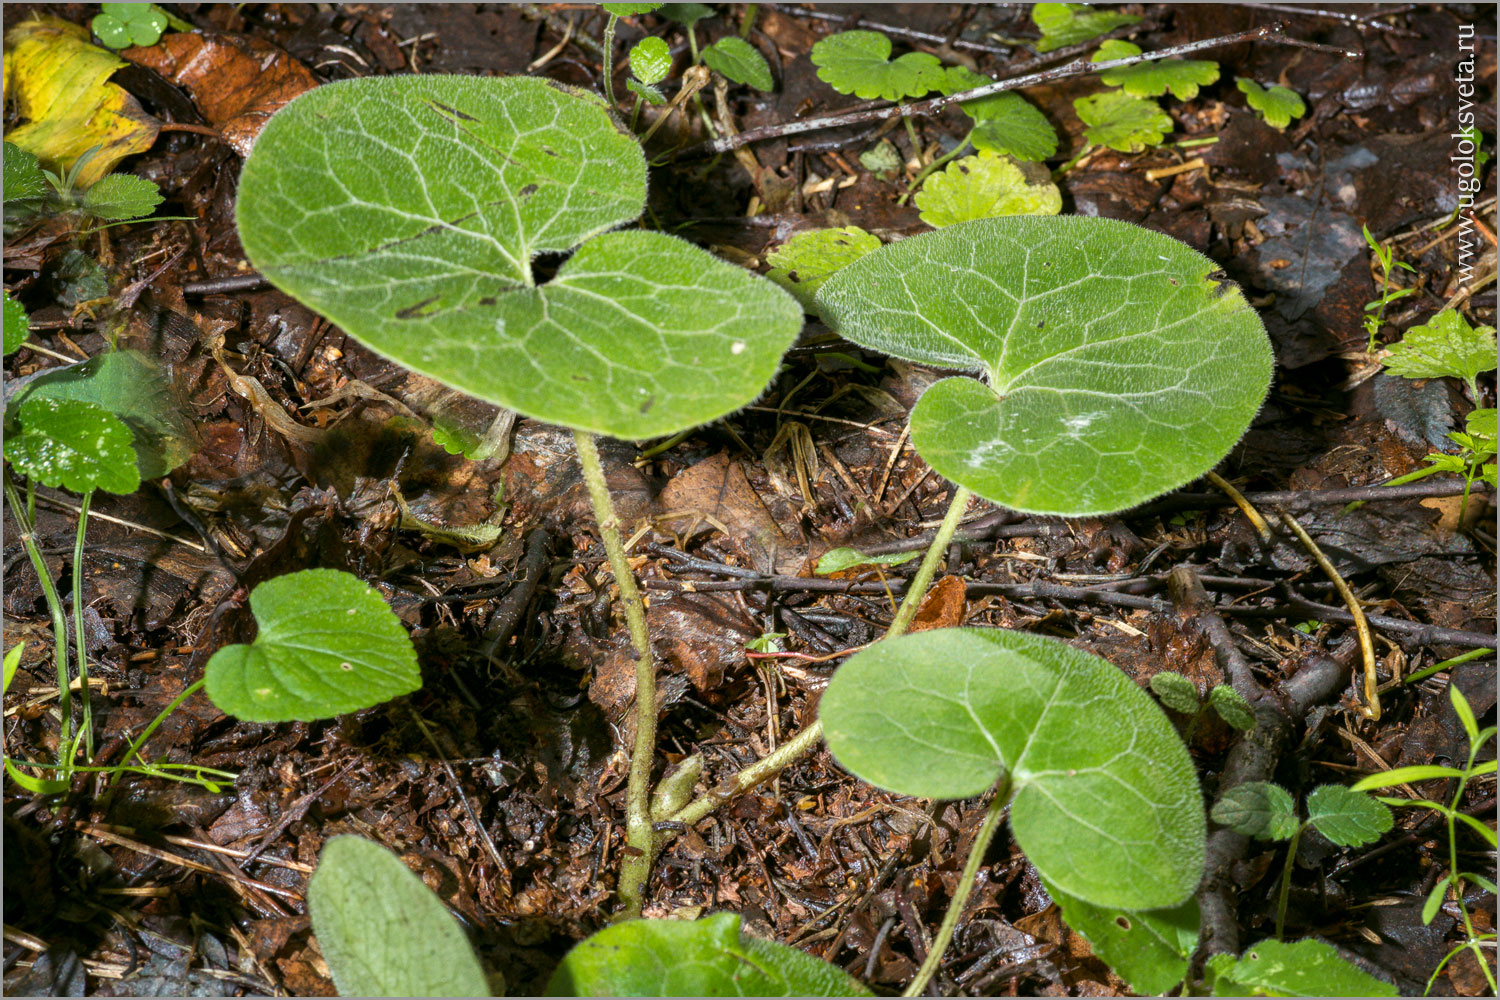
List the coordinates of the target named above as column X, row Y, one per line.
column 1182, row 77
column 859, row 63
column 328, row 644
column 1175, row 691
column 1122, row 122
column 650, row 60
column 697, row 958
column 1444, row 345
column 1005, row 122
column 1346, row 817
column 16, row 323
column 1232, row 707
column 1306, row 968
column 1278, row 105
column 984, row 186
column 737, row 59
column 1118, row 362
column 1258, row 809
column 382, row 931
column 72, row 444
column 807, row 260
column 112, row 31
column 1106, row 801
column 1149, row 949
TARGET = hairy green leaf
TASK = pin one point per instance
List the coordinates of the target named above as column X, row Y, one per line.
column 838, row 560
column 408, row 211
column 1306, row 968
column 650, row 93
column 16, row 323
column 650, row 61
column 327, row 644
column 382, row 932
column 631, row 9
column 73, row 444
column 1003, row 123
column 685, row 958
column 1444, row 345
column 859, row 63
column 1232, row 707
column 1258, row 809
column 740, row 61
column 1149, row 949
column 1182, row 77
column 1118, row 363
column 1346, row 817
column 804, row 262
column 1175, row 691
column 1064, row 24
column 984, row 186
column 122, row 196
column 1122, row 122
column 1106, row 801
column 1278, row 105
column 24, row 180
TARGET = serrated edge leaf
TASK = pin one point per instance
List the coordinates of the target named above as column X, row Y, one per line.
column 739, row 61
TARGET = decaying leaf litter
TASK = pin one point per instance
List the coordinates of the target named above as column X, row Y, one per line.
column 501, row 782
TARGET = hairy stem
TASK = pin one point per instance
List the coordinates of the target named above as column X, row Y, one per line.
column 965, row 886
column 609, row 53
column 640, row 838
column 87, row 731
column 917, row 589
column 22, row 514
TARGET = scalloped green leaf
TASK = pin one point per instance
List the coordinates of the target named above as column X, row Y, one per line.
column 382, row 932
column 1182, row 77
column 1106, row 801
column 73, row 444
column 23, row 178
column 737, row 59
column 1064, row 24
column 805, row 261
column 1149, row 949
column 408, row 211
column 1122, row 122
column 16, row 323
column 1277, row 105
column 860, row 63
column 650, row 61
column 1175, row 691
column 1259, row 809
column 122, row 196
column 1306, row 968
column 984, row 186
column 1346, row 817
column 1232, row 707
column 327, row 644
column 687, row 958
column 1003, row 123
column 1445, row 345
column 1118, row 363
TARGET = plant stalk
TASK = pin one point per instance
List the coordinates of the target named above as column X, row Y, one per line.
column 609, row 52
column 22, row 514
column 640, row 837
column 1286, row 880
column 965, row 886
column 917, row 589
column 134, row 749
column 81, row 646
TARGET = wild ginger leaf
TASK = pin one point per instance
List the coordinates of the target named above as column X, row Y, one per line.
column 1117, row 363
column 685, row 958
column 1122, row 122
column 803, row 263
column 1306, row 968
column 462, row 181
column 650, row 61
column 1003, row 123
column 327, row 644
column 1064, row 24
column 1258, row 809
column 382, row 932
column 1106, row 801
column 1277, row 105
column 983, row 186
column 122, row 196
column 859, row 63
column 735, row 58
column 1346, row 817
column 1182, row 77
column 73, row 444
column 1444, row 345
column 1149, row 949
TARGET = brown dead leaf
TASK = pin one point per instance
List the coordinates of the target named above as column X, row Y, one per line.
column 236, row 81
column 716, row 494
column 943, row 607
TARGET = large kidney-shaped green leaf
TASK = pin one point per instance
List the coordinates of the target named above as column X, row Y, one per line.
column 1117, row 363
column 409, row 211
column 328, row 644
column 383, row 932
column 693, row 958
column 1106, row 802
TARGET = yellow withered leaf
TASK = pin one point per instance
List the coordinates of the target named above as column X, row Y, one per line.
column 59, row 85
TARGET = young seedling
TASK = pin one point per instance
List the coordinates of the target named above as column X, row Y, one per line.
column 860, row 63
column 650, row 62
column 1385, row 256
column 736, row 59
column 1444, row 346
column 1064, row 24
column 615, row 12
column 463, row 182
column 1267, row 811
column 1121, row 121
column 1476, row 942
column 30, row 190
column 1181, row 695
column 985, row 186
column 120, row 25
column 1277, row 105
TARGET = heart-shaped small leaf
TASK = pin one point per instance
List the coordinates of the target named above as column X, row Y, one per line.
column 804, row 262
column 1149, row 949
column 382, row 931
column 860, row 63
column 409, row 209
column 1175, row 691
column 1346, row 817
column 650, row 60
column 740, row 61
column 1182, row 77
column 1307, row 968
column 1003, row 123
column 1105, row 799
column 693, row 958
column 1232, row 707
column 72, row 444
column 1118, row 362
column 1259, row 809
column 1120, row 121
column 1278, row 105
column 328, row 644
column 984, row 186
